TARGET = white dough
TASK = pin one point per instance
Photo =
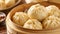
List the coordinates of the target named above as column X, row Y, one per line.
column 33, row 24
column 37, row 12
column 51, row 22
column 20, row 18
column 53, row 10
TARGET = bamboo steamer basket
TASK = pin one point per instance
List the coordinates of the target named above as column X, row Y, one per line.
column 13, row 28
column 55, row 1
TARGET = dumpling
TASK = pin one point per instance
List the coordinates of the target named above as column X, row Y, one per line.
column 2, row 4
column 37, row 12
column 34, row 1
column 33, row 24
column 20, row 18
column 51, row 22
column 9, row 2
column 53, row 10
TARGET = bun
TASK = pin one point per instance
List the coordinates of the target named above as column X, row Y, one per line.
column 2, row 4
column 53, row 10
column 51, row 22
column 37, row 12
column 9, row 2
column 20, row 18
column 33, row 24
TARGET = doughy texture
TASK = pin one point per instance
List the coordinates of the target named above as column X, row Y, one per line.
column 2, row 4
column 33, row 24
column 51, row 22
column 6, row 3
column 9, row 2
column 37, row 12
column 53, row 10
column 20, row 18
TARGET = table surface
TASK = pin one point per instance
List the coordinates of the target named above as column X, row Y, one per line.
column 3, row 28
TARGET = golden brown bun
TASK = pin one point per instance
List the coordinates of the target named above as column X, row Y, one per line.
column 2, row 4
column 9, row 2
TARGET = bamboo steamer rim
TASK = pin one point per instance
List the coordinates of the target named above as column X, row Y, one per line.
column 17, row 2
column 57, row 1
column 21, row 8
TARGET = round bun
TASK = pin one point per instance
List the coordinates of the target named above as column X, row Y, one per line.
column 2, row 4
column 37, row 12
column 53, row 10
column 9, row 2
column 51, row 22
column 33, row 24
column 20, row 18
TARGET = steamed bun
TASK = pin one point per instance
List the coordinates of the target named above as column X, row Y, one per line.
column 51, row 22
column 20, row 18
column 2, row 4
column 9, row 2
column 33, row 24
column 53, row 10
column 37, row 12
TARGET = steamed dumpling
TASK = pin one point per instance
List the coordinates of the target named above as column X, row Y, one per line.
column 20, row 18
column 33, row 24
column 9, row 2
column 51, row 22
column 37, row 12
column 2, row 4
column 53, row 10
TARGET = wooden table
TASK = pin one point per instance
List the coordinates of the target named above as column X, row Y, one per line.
column 2, row 29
